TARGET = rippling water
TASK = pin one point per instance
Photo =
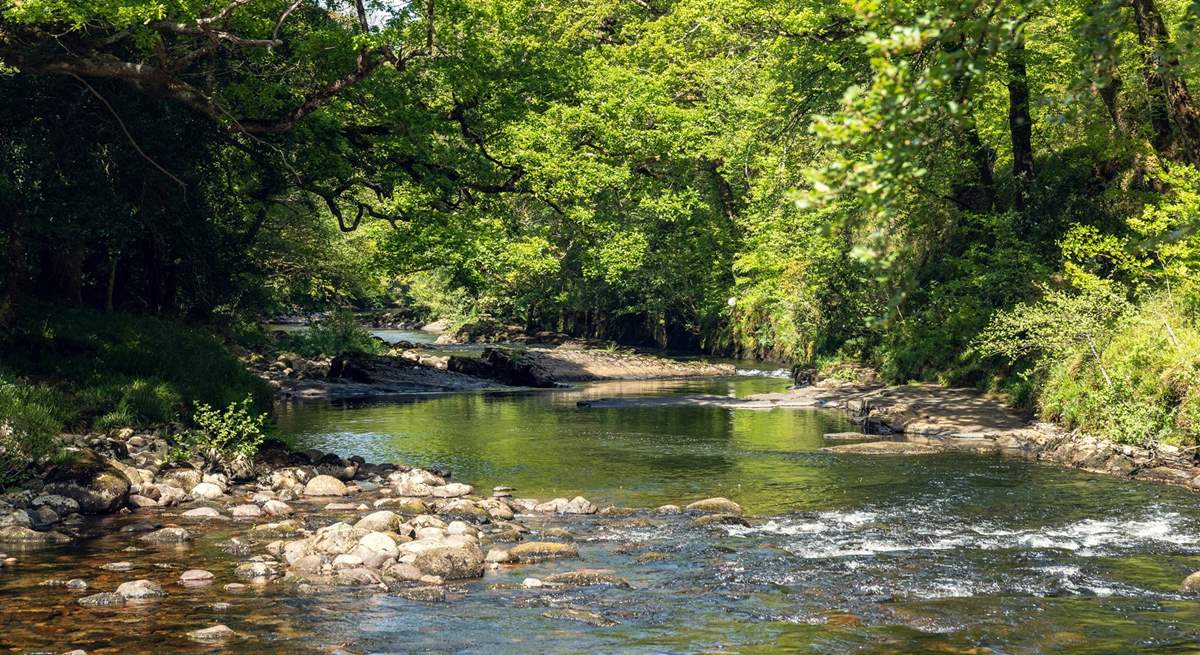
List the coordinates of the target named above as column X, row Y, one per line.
column 935, row 554
column 948, row 553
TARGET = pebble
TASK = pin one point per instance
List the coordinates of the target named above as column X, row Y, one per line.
column 119, row 567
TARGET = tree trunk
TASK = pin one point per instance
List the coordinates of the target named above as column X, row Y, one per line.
column 1108, row 88
column 1166, row 84
column 13, row 274
column 111, row 287
column 1020, row 124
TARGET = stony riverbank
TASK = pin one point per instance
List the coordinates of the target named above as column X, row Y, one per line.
column 408, row 370
column 935, row 419
column 299, row 523
column 922, row 419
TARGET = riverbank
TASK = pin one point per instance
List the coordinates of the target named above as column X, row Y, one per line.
column 410, row 370
column 923, row 419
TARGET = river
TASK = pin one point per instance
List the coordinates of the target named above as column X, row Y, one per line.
column 930, row 554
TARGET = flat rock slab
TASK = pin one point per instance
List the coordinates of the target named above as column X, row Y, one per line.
column 845, row 436
column 884, row 448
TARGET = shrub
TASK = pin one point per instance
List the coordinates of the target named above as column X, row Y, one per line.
column 118, row 370
column 337, row 333
column 225, row 439
column 30, row 421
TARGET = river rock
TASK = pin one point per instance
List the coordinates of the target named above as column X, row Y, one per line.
column 138, row 501
column 16, row 534
column 207, row 491
column 277, row 508
column 168, row 536
column 464, row 510
column 95, row 484
column 215, row 633
column 380, row 521
column 499, row 556
column 335, row 539
column 540, row 550
column 425, row 594
column 885, row 448
column 379, row 543
column 196, row 577
column 185, row 479
column 347, row 562
column 18, row 518
column 358, row 577
column 407, row 506
column 61, row 505
column 202, row 513
column 118, row 567
column 668, row 509
column 451, row 562
column 582, row 616
column 452, row 490
column 246, row 511
column 1191, row 584
column 587, row 578
column 715, row 506
column 577, row 505
column 722, row 519
column 325, row 485
column 106, row 599
column 257, row 570
column 141, row 590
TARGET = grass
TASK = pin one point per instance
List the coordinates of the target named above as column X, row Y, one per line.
column 77, row 369
column 1152, row 393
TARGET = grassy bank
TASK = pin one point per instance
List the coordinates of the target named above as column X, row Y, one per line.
column 76, row 369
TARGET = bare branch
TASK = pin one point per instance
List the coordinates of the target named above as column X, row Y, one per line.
column 128, row 136
column 284, row 17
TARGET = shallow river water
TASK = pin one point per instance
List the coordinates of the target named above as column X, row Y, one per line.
column 930, row 554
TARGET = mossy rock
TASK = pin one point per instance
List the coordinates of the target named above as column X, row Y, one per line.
column 539, row 550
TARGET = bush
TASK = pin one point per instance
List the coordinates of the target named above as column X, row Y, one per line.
column 225, row 439
column 119, row 370
column 337, row 333
column 30, row 421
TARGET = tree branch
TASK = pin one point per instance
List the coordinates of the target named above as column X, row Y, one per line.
column 128, row 136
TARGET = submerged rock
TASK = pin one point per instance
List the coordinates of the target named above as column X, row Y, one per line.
column 106, row 599
column 885, row 448
column 587, row 578
column 215, row 633
column 539, row 550
column 722, row 519
column 168, row 536
column 582, row 616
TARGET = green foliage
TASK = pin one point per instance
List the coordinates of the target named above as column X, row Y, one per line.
column 30, row 421
column 116, row 370
column 334, row 334
column 1153, row 364
column 227, row 438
